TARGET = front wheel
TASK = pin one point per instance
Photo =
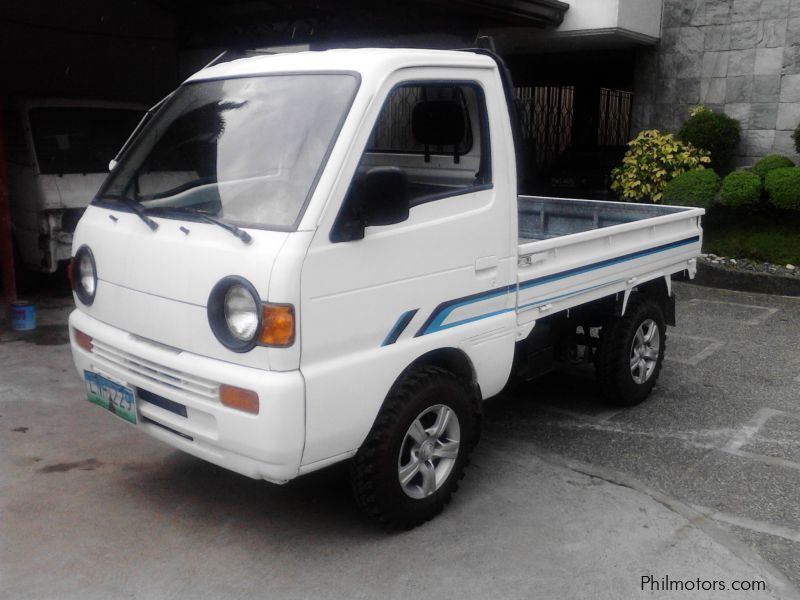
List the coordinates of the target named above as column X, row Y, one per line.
column 413, row 458
column 632, row 353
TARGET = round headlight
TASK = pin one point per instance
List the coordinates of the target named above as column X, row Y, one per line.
column 84, row 275
column 234, row 313
column 241, row 313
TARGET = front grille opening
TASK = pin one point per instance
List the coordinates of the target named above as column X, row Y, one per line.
column 137, row 366
column 161, row 402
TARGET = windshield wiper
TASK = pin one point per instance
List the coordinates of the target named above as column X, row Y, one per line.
column 139, row 210
column 203, row 216
column 239, row 233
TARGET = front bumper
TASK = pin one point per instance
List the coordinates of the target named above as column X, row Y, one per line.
column 268, row 445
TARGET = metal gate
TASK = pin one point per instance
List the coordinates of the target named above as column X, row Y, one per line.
column 616, row 107
column 545, row 116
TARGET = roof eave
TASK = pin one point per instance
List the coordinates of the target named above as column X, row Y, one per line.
column 541, row 12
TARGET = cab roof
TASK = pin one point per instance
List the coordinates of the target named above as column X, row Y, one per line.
column 364, row 61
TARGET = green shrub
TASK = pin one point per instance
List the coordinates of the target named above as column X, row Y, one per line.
column 769, row 163
column 652, row 160
column 717, row 133
column 741, row 188
column 796, row 138
column 783, row 187
column 693, row 188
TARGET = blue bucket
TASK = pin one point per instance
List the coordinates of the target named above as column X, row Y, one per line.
column 23, row 316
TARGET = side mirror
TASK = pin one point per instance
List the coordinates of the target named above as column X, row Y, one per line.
column 379, row 197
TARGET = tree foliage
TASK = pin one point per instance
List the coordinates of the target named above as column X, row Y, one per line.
column 716, row 133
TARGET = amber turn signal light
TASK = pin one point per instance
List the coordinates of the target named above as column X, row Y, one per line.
column 83, row 340
column 234, row 397
column 277, row 325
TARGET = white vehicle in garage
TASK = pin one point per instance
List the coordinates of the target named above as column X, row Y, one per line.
column 57, row 151
column 308, row 258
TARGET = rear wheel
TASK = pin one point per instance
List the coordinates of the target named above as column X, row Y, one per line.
column 632, row 353
column 413, row 458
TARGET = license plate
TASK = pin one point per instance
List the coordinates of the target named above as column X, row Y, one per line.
column 112, row 396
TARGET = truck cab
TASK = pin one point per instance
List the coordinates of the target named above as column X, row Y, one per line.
column 57, row 152
column 307, row 258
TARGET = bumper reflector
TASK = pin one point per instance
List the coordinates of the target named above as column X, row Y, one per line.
column 234, row 397
column 83, row 340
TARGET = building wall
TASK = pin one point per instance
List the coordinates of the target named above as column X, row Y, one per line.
column 640, row 17
column 737, row 56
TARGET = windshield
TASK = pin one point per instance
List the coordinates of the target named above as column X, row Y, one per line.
column 79, row 139
column 247, row 150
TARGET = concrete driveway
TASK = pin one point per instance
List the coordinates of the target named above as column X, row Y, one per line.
column 721, row 432
column 564, row 499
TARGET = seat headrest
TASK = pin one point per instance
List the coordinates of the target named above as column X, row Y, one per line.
column 438, row 122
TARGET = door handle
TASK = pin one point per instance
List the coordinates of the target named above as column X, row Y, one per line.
column 485, row 263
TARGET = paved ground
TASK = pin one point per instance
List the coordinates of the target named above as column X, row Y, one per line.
column 721, row 432
column 565, row 499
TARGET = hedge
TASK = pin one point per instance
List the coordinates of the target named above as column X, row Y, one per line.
column 783, row 188
column 693, row 188
column 770, row 163
column 716, row 133
column 740, row 189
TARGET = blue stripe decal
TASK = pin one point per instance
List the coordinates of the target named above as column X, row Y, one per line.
column 440, row 327
column 399, row 327
column 569, row 294
column 436, row 321
column 607, row 263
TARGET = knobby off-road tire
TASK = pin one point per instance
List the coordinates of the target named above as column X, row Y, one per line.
column 632, row 353
column 427, row 427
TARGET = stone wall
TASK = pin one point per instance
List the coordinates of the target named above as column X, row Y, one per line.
column 737, row 56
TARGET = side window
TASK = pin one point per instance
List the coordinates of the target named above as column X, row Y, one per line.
column 436, row 134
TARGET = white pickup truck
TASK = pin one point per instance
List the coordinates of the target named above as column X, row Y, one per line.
column 308, row 258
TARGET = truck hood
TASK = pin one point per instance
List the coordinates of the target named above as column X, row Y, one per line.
column 156, row 284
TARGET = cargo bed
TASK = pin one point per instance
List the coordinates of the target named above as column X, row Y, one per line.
column 575, row 251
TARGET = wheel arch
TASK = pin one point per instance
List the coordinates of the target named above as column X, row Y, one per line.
column 450, row 359
column 660, row 290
